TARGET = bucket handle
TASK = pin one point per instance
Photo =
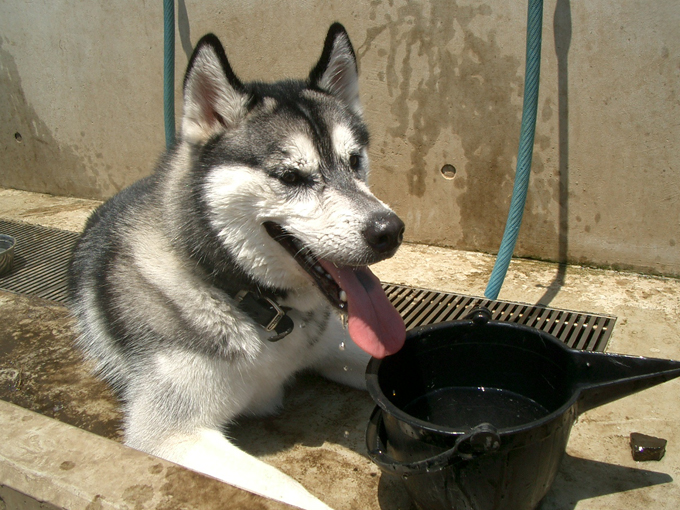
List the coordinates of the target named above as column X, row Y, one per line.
column 479, row 315
column 481, row 440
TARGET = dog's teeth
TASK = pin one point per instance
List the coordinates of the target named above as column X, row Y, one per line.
column 319, row 269
column 343, row 296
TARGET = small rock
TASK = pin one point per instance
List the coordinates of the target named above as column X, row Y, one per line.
column 645, row 447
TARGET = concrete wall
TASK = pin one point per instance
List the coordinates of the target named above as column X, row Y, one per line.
column 441, row 80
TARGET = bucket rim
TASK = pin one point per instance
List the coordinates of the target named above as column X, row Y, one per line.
column 373, row 385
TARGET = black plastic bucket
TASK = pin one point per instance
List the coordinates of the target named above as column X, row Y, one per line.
column 476, row 414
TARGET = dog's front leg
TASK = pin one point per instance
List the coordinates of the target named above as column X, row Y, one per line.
column 209, row 452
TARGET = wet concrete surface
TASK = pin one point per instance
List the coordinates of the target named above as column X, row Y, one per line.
column 319, row 436
column 41, row 371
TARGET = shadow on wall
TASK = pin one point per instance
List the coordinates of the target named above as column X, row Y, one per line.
column 184, row 29
column 562, row 32
column 28, row 145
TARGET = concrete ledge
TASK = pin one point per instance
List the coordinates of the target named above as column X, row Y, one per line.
column 48, row 464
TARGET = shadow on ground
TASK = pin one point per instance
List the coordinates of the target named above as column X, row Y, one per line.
column 577, row 480
column 582, row 479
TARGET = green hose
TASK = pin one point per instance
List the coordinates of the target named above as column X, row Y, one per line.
column 525, row 151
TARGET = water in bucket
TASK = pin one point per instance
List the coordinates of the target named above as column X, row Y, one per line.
column 467, row 407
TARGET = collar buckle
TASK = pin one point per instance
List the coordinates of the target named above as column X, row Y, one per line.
column 266, row 312
column 277, row 318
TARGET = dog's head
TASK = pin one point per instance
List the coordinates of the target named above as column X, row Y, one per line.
column 281, row 171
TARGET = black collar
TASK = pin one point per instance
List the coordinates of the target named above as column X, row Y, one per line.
column 258, row 303
column 266, row 312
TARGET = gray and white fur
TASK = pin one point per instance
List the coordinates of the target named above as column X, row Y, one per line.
column 263, row 195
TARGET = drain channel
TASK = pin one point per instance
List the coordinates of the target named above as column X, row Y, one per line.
column 42, row 255
column 41, row 258
column 578, row 330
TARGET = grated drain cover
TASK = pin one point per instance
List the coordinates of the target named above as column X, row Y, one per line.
column 41, row 259
column 41, row 269
column 578, row 330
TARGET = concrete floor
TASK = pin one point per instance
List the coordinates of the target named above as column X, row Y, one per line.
column 319, row 438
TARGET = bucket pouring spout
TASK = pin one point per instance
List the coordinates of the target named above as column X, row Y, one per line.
column 603, row 378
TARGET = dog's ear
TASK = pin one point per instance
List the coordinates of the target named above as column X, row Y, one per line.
column 336, row 72
column 214, row 98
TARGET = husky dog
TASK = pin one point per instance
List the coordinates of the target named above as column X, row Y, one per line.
column 202, row 289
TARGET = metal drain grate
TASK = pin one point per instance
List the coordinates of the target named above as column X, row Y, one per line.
column 42, row 256
column 578, row 330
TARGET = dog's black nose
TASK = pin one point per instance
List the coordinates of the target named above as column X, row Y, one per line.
column 384, row 232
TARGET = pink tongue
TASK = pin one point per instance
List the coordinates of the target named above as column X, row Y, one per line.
column 374, row 324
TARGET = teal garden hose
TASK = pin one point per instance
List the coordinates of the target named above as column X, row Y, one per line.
column 525, row 151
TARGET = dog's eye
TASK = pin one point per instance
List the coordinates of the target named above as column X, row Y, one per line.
column 354, row 161
column 291, row 177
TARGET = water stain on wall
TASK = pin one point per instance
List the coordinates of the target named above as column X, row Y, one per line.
column 447, row 72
